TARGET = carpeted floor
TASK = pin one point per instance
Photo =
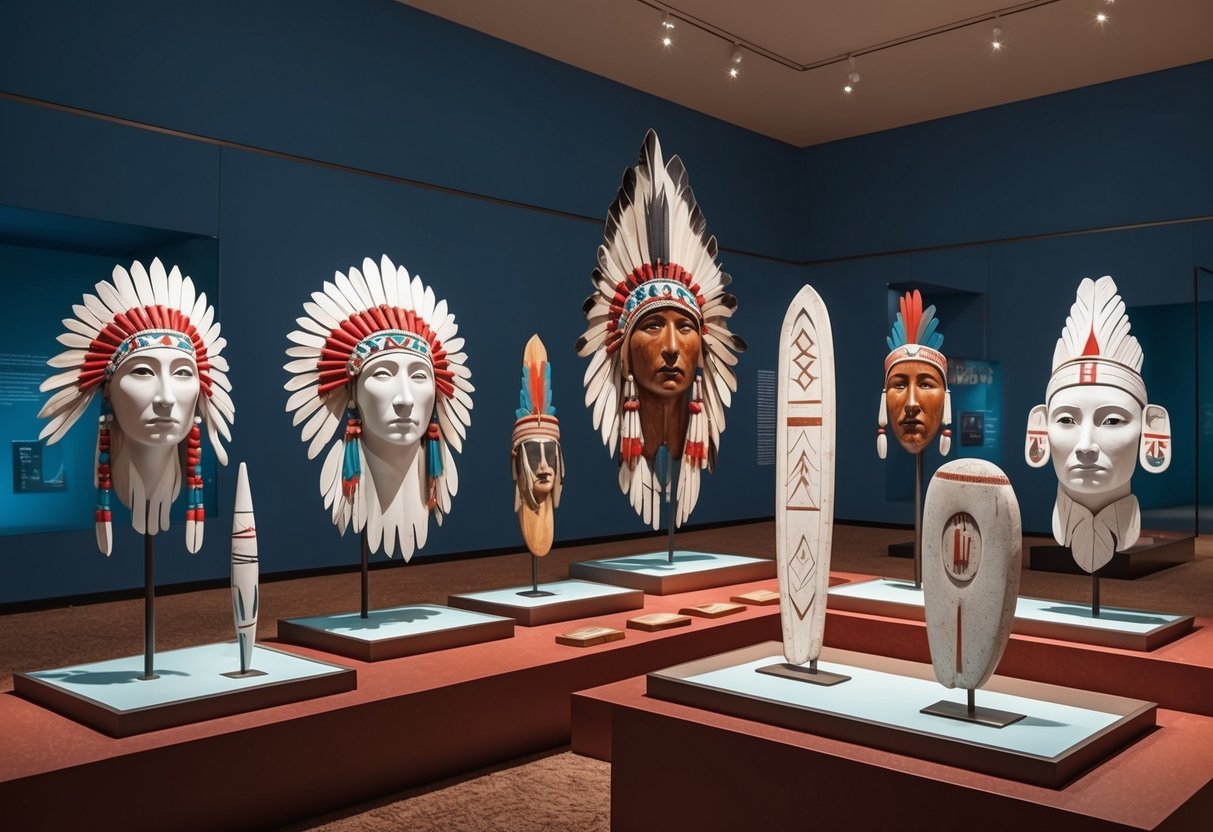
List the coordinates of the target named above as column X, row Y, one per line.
column 556, row 791
column 549, row 792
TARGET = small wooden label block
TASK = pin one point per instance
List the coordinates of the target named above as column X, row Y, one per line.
column 655, row 621
column 757, row 598
column 718, row 609
column 589, row 636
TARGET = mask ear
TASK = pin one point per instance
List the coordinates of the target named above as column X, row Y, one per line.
column 882, row 419
column 1155, row 453
column 1036, row 442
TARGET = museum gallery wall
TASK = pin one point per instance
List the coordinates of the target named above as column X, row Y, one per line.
column 496, row 194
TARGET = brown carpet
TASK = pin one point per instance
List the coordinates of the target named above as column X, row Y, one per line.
column 557, row 791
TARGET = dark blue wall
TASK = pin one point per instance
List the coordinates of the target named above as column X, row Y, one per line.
column 379, row 93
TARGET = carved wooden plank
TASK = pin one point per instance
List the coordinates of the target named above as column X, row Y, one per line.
column 804, row 483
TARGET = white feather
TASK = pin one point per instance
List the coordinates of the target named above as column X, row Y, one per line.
column 312, row 326
column 324, row 310
column 82, row 328
column 300, row 397
column 101, row 313
column 159, row 283
column 374, row 281
column 68, row 358
column 55, row 429
column 306, row 339
column 301, row 380
column 174, row 288
column 143, row 285
column 346, row 291
column 111, row 297
column 58, row 380
column 188, row 296
column 366, row 300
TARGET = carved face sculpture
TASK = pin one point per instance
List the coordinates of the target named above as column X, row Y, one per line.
column 395, row 395
column 1094, row 433
column 539, row 466
column 914, row 393
column 153, row 394
column 663, row 353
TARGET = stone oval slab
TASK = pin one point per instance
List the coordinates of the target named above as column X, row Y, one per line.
column 972, row 545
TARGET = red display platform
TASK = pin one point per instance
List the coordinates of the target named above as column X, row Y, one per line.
column 1178, row 676
column 412, row 720
column 678, row 767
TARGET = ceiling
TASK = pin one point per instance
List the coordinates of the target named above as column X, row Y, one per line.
column 917, row 59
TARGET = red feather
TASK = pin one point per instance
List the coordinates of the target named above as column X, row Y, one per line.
column 536, row 380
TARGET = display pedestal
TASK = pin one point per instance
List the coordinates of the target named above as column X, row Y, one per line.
column 1067, row 731
column 665, row 756
column 560, row 601
column 1153, row 552
column 408, row 723
column 191, row 685
column 653, row 574
column 1115, row 627
column 395, row 632
column 905, row 549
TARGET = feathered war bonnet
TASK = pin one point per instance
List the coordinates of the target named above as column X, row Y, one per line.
column 141, row 309
column 1096, row 348
column 656, row 253
column 915, row 337
column 354, row 319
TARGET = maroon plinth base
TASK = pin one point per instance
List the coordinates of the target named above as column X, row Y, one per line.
column 412, row 720
column 1178, row 676
column 1158, row 551
column 1132, row 717
column 670, row 761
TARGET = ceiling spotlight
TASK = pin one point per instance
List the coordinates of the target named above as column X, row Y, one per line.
column 1101, row 18
column 735, row 61
column 996, row 38
column 852, row 76
column 667, row 30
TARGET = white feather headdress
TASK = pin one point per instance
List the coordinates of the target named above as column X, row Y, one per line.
column 355, row 317
column 657, row 253
column 1095, row 346
column 141, row 309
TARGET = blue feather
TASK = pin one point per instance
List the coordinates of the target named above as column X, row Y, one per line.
column 524, row 396
column 547, row 389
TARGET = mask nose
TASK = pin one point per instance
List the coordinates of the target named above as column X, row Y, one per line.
column 1087, row 449
column 403, row 398
column 669, row 345
column 163, row 398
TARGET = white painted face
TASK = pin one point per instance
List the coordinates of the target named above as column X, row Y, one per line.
column 1094, row 431
column 395, row 395
column 153, row 394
